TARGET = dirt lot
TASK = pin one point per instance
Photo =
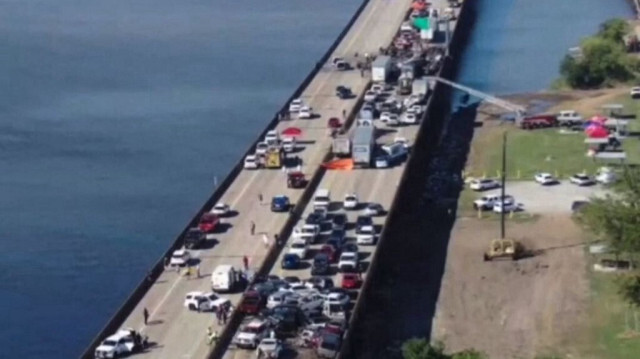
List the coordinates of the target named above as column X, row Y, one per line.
column 550, row 200
column 514, row 309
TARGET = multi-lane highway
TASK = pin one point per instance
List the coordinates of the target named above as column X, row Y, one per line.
column 178, row 333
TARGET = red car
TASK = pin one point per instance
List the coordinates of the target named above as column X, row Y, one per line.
column 334, row 123
column 351, row 280
column 208, row 222
column 330, row 251
column 296, row 180
column 252, row 302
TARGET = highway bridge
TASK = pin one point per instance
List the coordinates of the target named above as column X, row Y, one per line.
column 176, row 332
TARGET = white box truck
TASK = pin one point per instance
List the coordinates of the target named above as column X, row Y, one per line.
column 420, row 87
column 341, row 146
column 363, row 144
column 224, row 278
column 380, row 68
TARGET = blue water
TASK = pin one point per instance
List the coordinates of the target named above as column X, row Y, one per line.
column 115, row 116
column 517, row 45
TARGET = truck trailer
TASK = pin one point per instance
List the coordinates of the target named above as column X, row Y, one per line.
column 363, row 144
column 380, row 68
column 341, row 146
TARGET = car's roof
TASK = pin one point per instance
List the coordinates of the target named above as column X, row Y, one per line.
column 195, row 293
column 220, row 204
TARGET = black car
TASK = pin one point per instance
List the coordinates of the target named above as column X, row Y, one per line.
column 314, row 218
column 343, row 92
column 339, row 236
column 194, row 238
column 350, row 247
column 362, row 221
column 320, row 264
column 339, row 222
column 287, row 319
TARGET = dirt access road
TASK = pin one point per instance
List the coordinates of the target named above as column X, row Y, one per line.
column 513, row 309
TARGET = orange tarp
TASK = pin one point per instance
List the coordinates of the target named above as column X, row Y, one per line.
column 345, row 164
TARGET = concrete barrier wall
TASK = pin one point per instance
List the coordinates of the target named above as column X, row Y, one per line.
column 427, row 140
column 116, row 321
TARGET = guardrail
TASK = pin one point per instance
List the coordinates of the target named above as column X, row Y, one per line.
column 116, row 321
column 418, row 156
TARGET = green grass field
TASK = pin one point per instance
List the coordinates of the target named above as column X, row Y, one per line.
column 548, row 150
column 607, row 317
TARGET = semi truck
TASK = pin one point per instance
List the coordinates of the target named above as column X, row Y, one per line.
column 341, row 146
column 380, row 68
column 363, row 143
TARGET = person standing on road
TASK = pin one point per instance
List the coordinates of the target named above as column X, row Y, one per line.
column 265, row 239
column 253, row 228
column 166, row 263
column 245, row 261
column 344, row 114
column 145, row 314
column 277, row 239
column 225, row 314
column 198, row 271
column 219, row 315
column 260, row 197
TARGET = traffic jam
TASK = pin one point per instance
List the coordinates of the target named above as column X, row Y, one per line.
column 306, row 302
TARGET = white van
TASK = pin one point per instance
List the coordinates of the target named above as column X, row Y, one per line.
column 224, row 278
column 322, row 199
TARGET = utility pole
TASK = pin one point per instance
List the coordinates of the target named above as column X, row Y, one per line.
column 504, row 180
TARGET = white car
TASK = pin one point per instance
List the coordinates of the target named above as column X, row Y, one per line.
column 409, row 118
column 348, row 262
column 289, row 144
column 299, row 247
column 269, row 348
column 384, row 116
column 508, row 207
column 569, row 117
column 487, row 202
column 261, row 148
column 306, row 112
column 635, row 92
column 251, row 162
column 377, row 88
column 415, row 109
column 271, row 136
column 221, row 209
column 545, row 178
column 370, row 96
column 581, row 179
column 281, row 297
column 350, row 201
column 307, row 232
column 367, row 235
column 311, row 302
column 411, row 100
column 392, row 120
column 179, row 258
column 200, row 301
column 483, row 184
column 337, row 298
column 295, row 105
column 120, row 344
column 250, row 335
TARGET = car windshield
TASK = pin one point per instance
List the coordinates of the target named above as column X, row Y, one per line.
column 348, row 257
column 109, row 343
column 220, row 206
column 322, row 199
column 298, row 245
column 252, row 329
column 308, row 230
column 366, row 230
column 262, row 145
column 178, row 255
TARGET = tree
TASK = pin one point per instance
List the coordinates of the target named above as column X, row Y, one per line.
column 616, row 218
column 417, row 348
column 469, row 354
column 614, row 30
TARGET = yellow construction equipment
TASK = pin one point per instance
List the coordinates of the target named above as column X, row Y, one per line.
column 504, row 249
column 273, row 157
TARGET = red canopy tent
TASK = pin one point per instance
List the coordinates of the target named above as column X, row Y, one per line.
column 598, row 119
column 596, row 131
column 291, row 132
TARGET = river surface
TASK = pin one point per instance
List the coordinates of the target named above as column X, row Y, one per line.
column 115, row 117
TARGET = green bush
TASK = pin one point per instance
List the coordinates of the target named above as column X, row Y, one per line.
column 604, row 59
